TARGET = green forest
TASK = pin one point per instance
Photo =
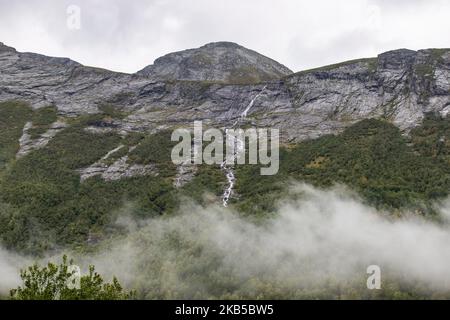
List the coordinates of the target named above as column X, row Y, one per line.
column 45, row 207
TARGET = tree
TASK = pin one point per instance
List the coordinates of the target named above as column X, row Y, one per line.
column 59, row 282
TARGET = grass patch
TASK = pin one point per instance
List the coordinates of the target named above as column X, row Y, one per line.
column 42, row 119
column 13, row 116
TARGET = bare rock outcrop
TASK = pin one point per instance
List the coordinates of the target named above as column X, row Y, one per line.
column 118, row 169
column 28, row 144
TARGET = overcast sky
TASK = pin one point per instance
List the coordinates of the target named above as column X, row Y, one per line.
column 126, row 35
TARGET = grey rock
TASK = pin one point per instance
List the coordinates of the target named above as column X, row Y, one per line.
column 185, row 173
column 117, row 170
column 27, row 144
column 122, row 169
column 219, row 61
column 400, row 86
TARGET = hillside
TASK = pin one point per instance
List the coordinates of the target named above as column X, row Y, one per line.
column 82, row 148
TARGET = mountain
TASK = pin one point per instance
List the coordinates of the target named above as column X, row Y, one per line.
column 85, row 167
column 77, row 143
column 401, row 86
column 219, row 61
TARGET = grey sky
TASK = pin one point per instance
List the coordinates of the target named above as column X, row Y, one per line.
column 126, row 35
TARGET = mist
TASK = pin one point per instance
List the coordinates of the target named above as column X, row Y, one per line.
column 318, row 244
column 10, row 265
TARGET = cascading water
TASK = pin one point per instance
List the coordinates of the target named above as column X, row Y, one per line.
column 252, row 102
column 228, row 169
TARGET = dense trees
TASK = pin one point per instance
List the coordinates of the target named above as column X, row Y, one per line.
column 388, row 169
column 61, row 282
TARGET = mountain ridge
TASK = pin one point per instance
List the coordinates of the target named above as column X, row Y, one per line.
column 400, row 85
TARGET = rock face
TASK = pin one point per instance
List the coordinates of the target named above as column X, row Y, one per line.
column 44, row 81
column 27, row 144
column 399, row 85
column 118, row 169
column 219, row 61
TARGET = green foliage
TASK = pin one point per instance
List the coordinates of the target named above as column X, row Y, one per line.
column 209, row 179
column 13, row 116
column 42, row 119
column 109, row 110
column 43, row 202
column 432, row 139
column 156, row 149
column 371, row 156
column 42, row 186
column 57, row 282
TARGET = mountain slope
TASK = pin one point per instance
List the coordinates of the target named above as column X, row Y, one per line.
column 401, row 86
column 81, row 141
column 85, row 164
column 45, row 203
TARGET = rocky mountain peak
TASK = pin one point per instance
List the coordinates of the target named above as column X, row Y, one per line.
column 397, row 59
column 218, row 61
column 5, row 48
column 222, row 44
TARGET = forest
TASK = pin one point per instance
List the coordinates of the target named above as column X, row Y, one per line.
column 46, row 208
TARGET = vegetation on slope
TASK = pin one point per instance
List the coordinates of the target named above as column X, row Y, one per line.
column 13, row 116
column 371, row 156
column 45, row 206
column 43, row 201
column 42, row 119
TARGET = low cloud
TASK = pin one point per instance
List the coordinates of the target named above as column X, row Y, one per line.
column 318, row 245
column 10, row 265
column 323, row 237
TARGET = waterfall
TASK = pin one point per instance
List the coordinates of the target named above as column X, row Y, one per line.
column 228, row 169
column 250, row 105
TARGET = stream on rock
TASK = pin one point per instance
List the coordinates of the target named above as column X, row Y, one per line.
column 240, row 145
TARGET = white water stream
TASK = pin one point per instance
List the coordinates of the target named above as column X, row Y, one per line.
column 239, row 145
